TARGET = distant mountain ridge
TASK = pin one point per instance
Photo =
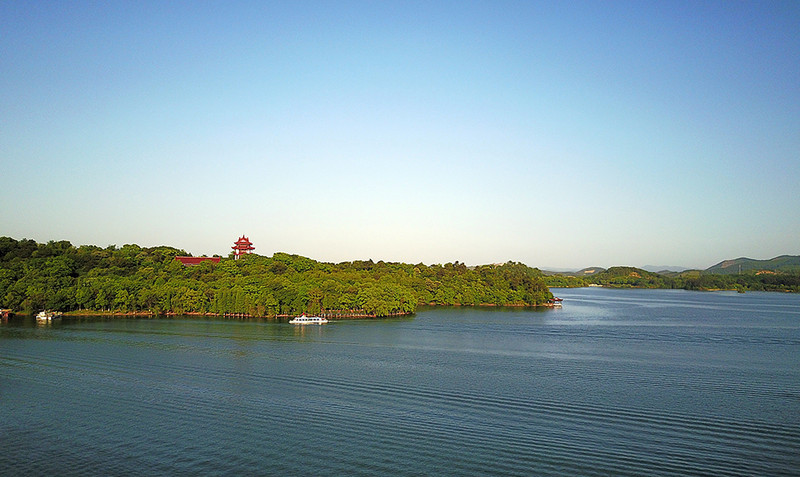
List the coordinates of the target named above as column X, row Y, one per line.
column 584, row 272
column 782, row 263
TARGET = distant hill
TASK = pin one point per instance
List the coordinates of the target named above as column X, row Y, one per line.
column 625, row 272
column 589, row 271
column 779, row 274
column 693, row 273
column 783, row 263
column 584, row 272
column 664, row 268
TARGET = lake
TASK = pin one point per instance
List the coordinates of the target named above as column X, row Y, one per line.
column 617, row 382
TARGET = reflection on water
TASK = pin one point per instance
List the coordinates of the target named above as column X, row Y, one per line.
column 635, row 382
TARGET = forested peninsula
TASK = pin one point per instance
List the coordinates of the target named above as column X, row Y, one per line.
column 133, row 279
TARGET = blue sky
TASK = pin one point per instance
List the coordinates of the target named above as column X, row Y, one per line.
column 557, row 134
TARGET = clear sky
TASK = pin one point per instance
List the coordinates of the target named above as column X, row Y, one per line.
column 557, row 134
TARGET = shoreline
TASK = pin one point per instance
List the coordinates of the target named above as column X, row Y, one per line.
column 362, row 315
column 627, row 287
column 146, row 313
column 329, row 315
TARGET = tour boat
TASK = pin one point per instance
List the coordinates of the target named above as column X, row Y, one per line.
column 48, row 315
column 556, row 302
column 308, row 320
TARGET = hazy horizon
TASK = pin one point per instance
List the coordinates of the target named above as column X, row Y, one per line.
column 560, row 135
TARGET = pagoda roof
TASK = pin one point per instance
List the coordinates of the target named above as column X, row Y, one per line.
column 188, row 261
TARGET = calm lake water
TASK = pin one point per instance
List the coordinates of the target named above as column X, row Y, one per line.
column 617, row 382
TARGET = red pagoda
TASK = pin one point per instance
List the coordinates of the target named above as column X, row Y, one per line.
column 241, row 247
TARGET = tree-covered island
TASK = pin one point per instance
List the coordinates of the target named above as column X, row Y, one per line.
column 134, row 279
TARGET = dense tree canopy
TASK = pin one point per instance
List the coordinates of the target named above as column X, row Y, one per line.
column 60, row 276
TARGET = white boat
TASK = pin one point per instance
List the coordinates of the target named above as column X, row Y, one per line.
column 308, row 320
column 48, row 315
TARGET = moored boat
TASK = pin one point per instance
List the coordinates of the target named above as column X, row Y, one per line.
column 308, row 320
column 48, row 315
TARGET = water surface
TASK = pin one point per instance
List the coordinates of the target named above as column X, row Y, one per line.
column 617, row 382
